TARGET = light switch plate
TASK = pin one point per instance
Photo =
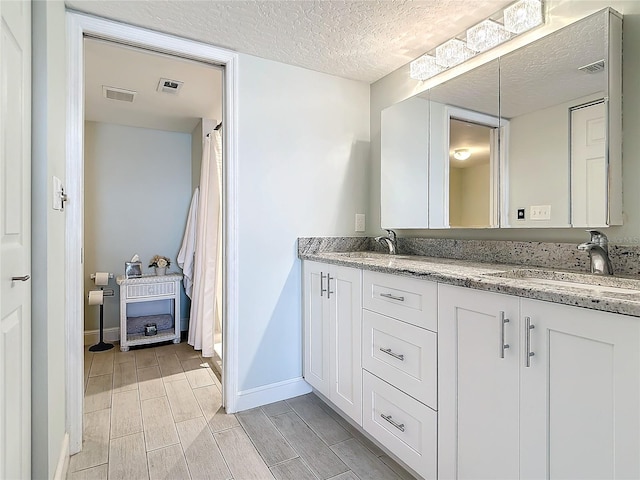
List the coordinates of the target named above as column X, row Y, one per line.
column 360, row 222
column 540, row 212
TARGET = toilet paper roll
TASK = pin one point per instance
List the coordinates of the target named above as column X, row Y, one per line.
column 96, row 297
column 102, row 278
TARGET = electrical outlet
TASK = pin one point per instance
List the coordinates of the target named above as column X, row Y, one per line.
column 540, row 212
column 360, row 222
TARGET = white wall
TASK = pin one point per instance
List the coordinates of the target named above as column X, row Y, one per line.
column 137, row 195
column 48, row 394
column 303, row 170
column 538, row 155
column 397, row 86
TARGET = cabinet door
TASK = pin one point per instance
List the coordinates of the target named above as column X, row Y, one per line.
column 478, row 388
column 316, row 326
column 579, row 398
column 346, row 340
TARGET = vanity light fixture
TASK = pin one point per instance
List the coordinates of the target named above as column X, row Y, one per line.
column 452, row 53
column 523, row 16
column 461, row 153
column 425, row 67
column 486, row 35
column 505, row 24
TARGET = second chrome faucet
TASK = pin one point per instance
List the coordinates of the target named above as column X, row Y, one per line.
column 390, row 241
column 598, row 249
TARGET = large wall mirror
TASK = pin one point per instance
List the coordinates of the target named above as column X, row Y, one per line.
column 532, row 139
column 555, row 93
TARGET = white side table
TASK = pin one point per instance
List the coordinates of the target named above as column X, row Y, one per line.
column 149, row 288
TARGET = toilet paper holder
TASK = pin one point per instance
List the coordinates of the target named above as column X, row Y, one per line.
column 93, row 276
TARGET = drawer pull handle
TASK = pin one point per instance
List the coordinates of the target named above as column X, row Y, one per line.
column 322, row 289
column 392, row 297
column 503, row 346
column 329, row 278
column 388, row 418
column 389, row 352
column 527, row 341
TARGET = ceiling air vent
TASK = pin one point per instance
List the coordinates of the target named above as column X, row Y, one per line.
column 167, row 85
column 594, row 67
column 121, row 94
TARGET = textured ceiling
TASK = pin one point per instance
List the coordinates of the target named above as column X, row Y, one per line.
column 129, row 68
column 361, row 40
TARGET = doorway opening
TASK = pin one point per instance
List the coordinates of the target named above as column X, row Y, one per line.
column 153, row 168
column 113, row 136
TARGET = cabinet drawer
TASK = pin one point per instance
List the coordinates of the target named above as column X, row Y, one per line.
column 401, row 354
column 407, row 299
column 150, row 289
column 401, row 423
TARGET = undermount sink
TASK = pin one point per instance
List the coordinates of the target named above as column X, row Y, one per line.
column 594, row 283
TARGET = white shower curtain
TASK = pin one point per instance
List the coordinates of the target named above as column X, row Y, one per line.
column 206, row 307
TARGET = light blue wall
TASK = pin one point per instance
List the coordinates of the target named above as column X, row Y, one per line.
column 137, row 195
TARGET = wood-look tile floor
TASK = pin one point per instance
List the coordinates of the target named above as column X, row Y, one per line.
column 156, row 413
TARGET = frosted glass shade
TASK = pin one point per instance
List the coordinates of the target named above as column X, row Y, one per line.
column 452, row 53
column 486, row 35
column 523, row 16
column 424, row 67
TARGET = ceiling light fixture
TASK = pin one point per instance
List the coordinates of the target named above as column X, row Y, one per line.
column 504, row 25
column 461, row 153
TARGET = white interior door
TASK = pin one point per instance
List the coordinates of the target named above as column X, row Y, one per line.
column 589, row 169
column 15, row 240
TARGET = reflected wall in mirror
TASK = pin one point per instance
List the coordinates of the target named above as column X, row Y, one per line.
column 555, row 95
column 404, row 169
column 465, row 116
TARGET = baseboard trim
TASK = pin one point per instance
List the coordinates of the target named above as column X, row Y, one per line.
column 63, row 460
column 91, row 337
column 256, row 397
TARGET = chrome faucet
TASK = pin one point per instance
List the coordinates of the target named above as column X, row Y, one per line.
column 598, row 249
column 389, row 241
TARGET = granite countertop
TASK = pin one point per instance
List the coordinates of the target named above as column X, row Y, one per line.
column 618, row 294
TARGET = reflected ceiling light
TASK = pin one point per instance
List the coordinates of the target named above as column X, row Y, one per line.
column 452, row 53
column 461, row 153
column 505, row 24
column 523, row 16
column 424, row 67
column 486, row 35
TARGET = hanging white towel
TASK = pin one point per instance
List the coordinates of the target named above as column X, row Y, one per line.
column 186, row 256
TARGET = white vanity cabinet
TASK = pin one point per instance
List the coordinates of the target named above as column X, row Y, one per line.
column 580, row 396
column 399, row 358
column 478, row 388
column 332, row 334
column 560, row 402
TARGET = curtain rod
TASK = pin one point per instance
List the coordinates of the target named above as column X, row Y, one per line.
column 218, row 127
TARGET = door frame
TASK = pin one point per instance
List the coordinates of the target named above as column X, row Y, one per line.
column 79, row 25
